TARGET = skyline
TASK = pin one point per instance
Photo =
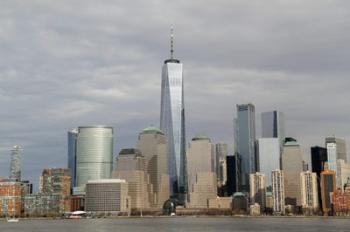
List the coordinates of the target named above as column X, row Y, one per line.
column 59, row 74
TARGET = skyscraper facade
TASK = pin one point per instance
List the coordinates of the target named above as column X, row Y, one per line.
column 292, row 166
column 273, row 125
column 309, row 192
column 220, row 160
column 336, row 149
column 201, row 174
column 245, row 140
column 328, row 186
column 72, row 155
column 233, row 170
column 277, row 178
column 257, row 189
column 342, row 174
column 172, row 121
column 15, row 165
column 94, row 154
column 153, row 146
column 269, row 157
column 318, row 161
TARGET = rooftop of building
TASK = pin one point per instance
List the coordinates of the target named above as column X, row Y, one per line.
column 130, row 151
column 238, row 194
column 152, row 130
column 200, row 137
column 103, row 181
column 96, row 126
column 289, row 141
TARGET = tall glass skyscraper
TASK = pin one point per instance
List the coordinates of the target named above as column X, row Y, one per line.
column 273, row 125
column 172, row 121
column 245, row 142
column 15, row 166
column 72, row 155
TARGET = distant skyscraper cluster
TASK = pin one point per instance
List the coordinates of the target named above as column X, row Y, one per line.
column 263, row 175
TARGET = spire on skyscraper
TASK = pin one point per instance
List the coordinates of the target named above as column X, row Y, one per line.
column 171, row 42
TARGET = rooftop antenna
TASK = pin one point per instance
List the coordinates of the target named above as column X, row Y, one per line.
column 171, row 42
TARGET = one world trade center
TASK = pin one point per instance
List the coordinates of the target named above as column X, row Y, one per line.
column 172, row 121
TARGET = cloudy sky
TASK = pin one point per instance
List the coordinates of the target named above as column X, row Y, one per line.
column 79, row 62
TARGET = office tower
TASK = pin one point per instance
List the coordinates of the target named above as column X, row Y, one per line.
column 309, row 192
column 292, row 166
column 273, row 125
column 94, row 154
column 342, row 173
column 318, row 160
column 15, row 165
column 72, row 155
column 257, row 189
column 201, row 174
column 245, row 140
column 220, row 157
column 269, row 157
column 27, row 187
column 336, row 149
column 328, row 185
column 153, row 146
column 131, row 166
column 10, row 198
column 233, row 170
column 107, row 195
column 56, row 182
column 277, row 178
column 172, row 121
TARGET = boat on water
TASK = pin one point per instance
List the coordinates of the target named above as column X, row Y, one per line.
column 12, row 220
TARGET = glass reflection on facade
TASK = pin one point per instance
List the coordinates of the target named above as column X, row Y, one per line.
column 72, row 158
column 245, row 141
column 94, row 154
column 172, row 122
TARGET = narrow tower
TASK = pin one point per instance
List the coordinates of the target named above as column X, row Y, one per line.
column 172, row 120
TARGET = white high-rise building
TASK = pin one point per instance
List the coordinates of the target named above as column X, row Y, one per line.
column 309, row 193
column 15, row 165
column 336, row 149
column 277, row 177
column 172, row 121
column 257, row 189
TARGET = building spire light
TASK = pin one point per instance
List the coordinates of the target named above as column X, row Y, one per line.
column 171, row 42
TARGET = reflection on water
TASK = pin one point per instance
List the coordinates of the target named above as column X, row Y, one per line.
column 179, row 224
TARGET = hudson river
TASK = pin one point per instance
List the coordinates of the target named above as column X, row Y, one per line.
column 179, row 224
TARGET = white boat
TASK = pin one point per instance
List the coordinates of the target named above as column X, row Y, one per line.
column 12, row 220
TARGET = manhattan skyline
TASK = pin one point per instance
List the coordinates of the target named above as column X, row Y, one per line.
column 91, row 64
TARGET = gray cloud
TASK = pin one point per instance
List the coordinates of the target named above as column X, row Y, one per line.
column 70, row 63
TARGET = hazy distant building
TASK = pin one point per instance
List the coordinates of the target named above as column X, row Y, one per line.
column 328, row 185
column 318, row 160
column 109, row 195
column 245, row 140
column 201, row 174
column 94, row 154
column 233, row 171
column 309, row 192
column 257, row 189
column 342, row 174
column 269, row 157
column 292, row 166
column 56, row 182
column 277, row 177
column 273, row 125
column 153, row 146
column 172, row 121
column 336, row 149
column 131, row 166
column 72, row 155
column 221, row 153
column 15, row 165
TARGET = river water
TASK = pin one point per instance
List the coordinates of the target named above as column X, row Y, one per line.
column 179, row 224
